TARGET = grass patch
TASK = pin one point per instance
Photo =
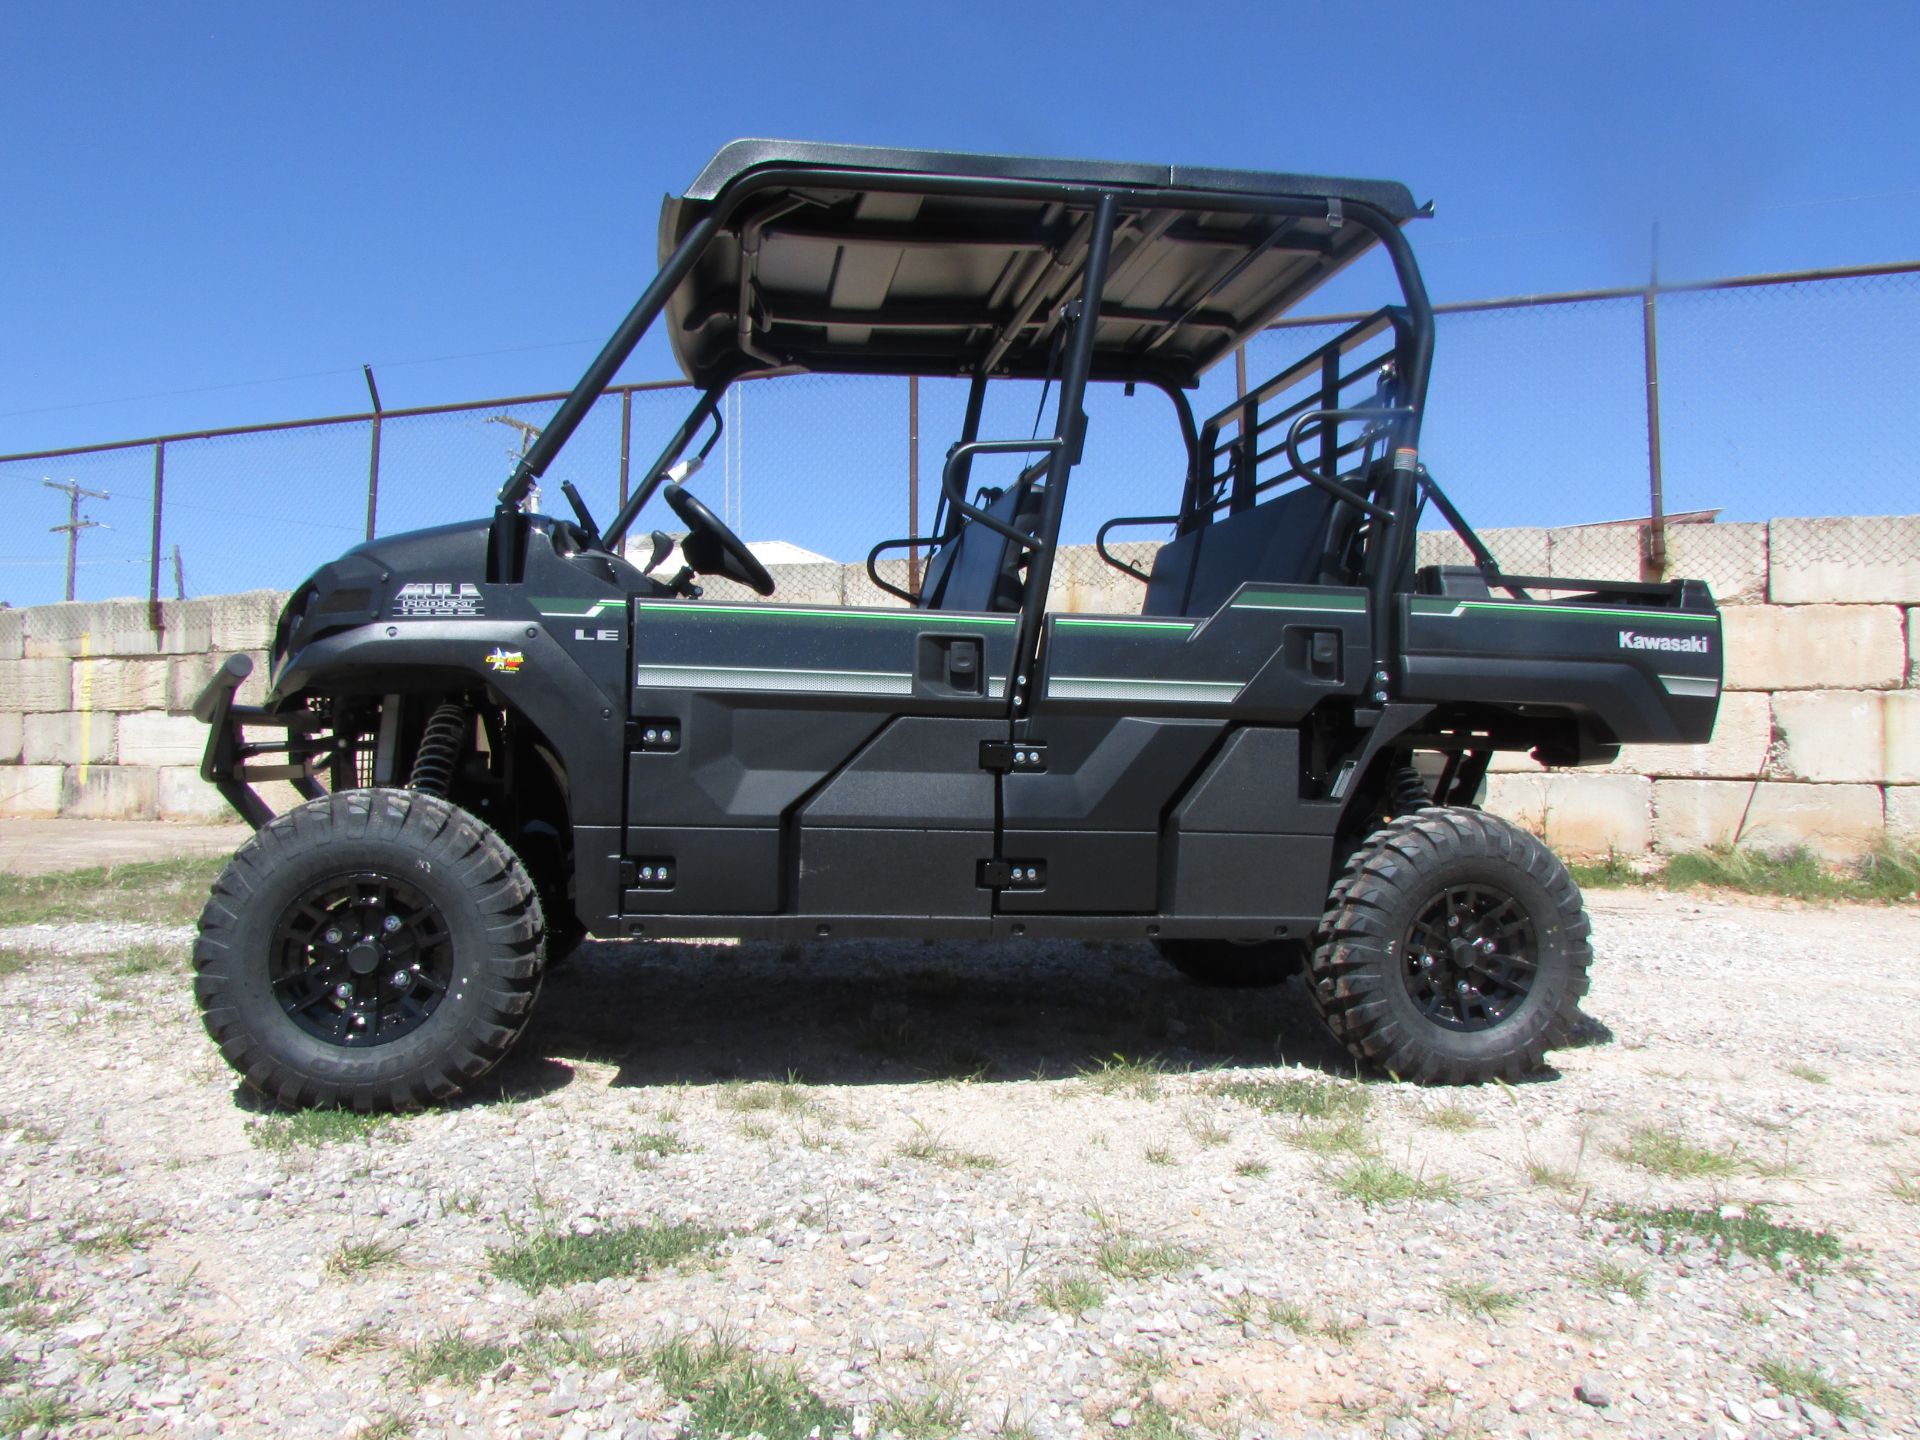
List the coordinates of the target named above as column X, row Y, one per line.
column 1610, row 1278
column 364, row 1339
column 927, row 1146
column 1452, row 1116
column 1905, row 1186
column 563, row 1258
column 1157, row 1155
column 1479, row 1299
column 650, row 1147
column 1302, row 1322
column 114, row 1239
column 1347, row 1138
column 1749, row 1232
column 356, row 1257
column 1335, row 1100
column 930, row 1416
column 1207, row 1131
column 1667, row 1152
column 1072, row 1294
column 149, row 960
column 1253, row 1169
column 37, row 1409
column 1803, row 1382
column 1375, row 1182
column 160, row 892
column 731, row 1392
column 1122, row 1075
column 760, row 1096
column 1890, row 874
column 449, row 1354
column 12, row 961
column 301, row 1128
column 1127, row 1257
column 1809, row 1074
column 1615, row 872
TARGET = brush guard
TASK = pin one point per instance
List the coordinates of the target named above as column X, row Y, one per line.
column 232, row 763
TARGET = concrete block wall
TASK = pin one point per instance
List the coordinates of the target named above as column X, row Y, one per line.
column 1818, row 741
column 1818, row 738
column 94, row 704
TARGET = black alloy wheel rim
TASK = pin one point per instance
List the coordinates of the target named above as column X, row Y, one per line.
column 361, row 959
column 1471, row 957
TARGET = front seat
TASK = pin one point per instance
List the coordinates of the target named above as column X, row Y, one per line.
column 979, row 568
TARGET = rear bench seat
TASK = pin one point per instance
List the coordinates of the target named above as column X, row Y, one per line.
column 1295, row 538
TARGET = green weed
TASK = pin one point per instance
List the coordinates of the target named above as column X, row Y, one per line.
column 450, row 1354
column 356, row 1257
column 1803, row 1382
column 1610, row 1278
column 1375, row 1182
column 1071, row 1294
column 731, row 1392
column 563, row 1258
column 1749, row 1232
column 1667, row 1152
column 1122, row 1075
column 1335, row 1100
column 1479, row 1299
column 1127, row 1257
column 316, row 1127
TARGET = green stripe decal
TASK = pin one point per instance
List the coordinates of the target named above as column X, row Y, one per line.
column 1074, row 622
column 570, row 609
column 1106, row 687
column 925, row 619
column 1454, row 609
column 1297, row 600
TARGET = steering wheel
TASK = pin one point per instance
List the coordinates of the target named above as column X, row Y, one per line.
column 712, row 549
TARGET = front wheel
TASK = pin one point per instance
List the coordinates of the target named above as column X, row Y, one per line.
column 378, row 949
column 1454, row 950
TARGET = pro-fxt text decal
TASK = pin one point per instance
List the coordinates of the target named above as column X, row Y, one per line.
column 438, row 600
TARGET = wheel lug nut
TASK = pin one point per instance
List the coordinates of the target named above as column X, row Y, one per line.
column 332, row 935
column 345, row 992
column 390, row 924
column 401, row 979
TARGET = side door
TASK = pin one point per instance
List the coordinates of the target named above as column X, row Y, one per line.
column 1131, row 715
column 813, row 760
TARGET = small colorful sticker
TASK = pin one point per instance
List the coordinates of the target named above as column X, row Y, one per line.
column 506, row 662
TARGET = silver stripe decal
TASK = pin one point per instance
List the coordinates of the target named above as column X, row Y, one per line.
column 1097, row 687
column 832, row 682
column 1690, row 685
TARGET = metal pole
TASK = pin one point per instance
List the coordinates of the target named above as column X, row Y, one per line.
column 1656, row 543
column 373, row 460
column 913, row 480
column 179, row 576
column 626, row 441
column 1239, row 370
column 153, row 553
column 73, row 491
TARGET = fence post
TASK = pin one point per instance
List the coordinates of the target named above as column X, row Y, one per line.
column 913, row 480
column 153, row 554
column 626, row 442
column 1656, row 541
column 373, row 460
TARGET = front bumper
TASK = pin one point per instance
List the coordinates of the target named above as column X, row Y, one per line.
column 232, row 763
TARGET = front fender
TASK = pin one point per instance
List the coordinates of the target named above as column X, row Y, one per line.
column 578, row 719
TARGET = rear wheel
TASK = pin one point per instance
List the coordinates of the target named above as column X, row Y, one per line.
column 379, row 949
column 1454, row 950
column 1235, row 964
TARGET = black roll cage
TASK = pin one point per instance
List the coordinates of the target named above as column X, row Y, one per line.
column 1394, row 512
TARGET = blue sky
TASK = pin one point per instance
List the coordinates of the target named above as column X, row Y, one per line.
column 204, row 197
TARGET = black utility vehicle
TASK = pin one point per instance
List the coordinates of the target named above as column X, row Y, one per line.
column 512, row 737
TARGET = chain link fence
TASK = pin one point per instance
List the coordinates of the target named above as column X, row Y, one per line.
column 1776, row 396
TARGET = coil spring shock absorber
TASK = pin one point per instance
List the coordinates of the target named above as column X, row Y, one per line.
column 1409, row 791
column 439, row 752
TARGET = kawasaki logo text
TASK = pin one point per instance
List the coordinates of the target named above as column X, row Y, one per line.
column 1685, row 644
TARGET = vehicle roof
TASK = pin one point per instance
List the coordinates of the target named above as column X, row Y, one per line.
column 935, row 262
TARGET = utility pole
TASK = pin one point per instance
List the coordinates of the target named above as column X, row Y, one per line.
column 73, row 491
column 179, row 577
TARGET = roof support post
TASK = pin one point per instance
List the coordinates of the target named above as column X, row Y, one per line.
column 1070, row 429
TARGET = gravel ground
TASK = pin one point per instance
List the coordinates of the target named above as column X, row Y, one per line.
column 908, row 1194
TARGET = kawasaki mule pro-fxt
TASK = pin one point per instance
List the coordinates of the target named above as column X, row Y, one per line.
column 511, row 737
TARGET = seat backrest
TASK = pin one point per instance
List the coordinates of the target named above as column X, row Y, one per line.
column 979, row 568
column 1300, row 537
